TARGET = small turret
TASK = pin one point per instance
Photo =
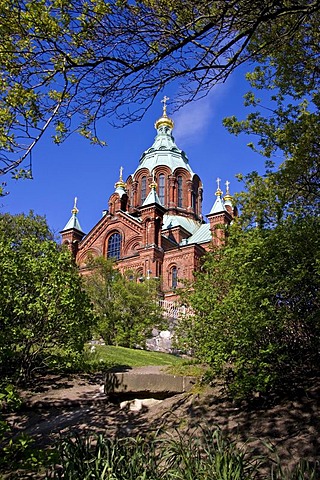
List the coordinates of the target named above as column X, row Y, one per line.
column 228, row 199
column 72, row 233
column 120, row 186
column 152, row 215
column 119, row 199
column 219, row 217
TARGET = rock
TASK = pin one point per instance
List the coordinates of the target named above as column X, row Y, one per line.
column 138, row 404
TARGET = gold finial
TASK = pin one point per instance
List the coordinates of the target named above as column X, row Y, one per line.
column 219, row 191
column 74, row 211
column 164, row 120
column 153, row 185
column 227, row 196
column 120, row 183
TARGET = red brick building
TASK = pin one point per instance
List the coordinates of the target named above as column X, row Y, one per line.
column 154, row 224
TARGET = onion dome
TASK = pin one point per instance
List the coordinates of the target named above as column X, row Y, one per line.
column 164, row 151
column 120, row 186
column 164, row 120
column 227, row 198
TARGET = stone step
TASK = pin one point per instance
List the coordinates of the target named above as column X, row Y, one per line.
column 149, row 382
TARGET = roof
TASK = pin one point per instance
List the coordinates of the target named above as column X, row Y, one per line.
column 164, row 151
column 218, row 206
column 152, row 198
column 73, row 223
column 171, row 221
column 202, row 235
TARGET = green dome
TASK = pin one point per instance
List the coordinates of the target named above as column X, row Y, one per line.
column 164, row 151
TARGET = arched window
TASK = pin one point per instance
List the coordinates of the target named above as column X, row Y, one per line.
column 194, row 202
column 180, row 196
column 143, row 189
column 161, row 184
column 114, row 246
column 174, row 277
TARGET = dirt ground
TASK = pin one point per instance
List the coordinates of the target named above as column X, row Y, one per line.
column 61, row 405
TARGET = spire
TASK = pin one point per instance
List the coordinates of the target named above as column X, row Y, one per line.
column 218, row 206
column 73, row 223
column 120, row 186
column 164, row 120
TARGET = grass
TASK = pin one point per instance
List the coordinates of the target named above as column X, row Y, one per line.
column 134, row 358
column 188, row 368
column 205, row 454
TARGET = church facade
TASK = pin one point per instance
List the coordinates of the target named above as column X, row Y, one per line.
column 154, row 225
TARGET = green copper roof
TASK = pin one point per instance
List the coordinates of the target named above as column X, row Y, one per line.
column 164, row 151
column 202, row 235
column 171, row 221
column 218, row 206
column 152, row 198
column 73, row 223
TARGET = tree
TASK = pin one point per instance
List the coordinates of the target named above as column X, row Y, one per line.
column 71, row 63
column 42, row 304
column 285, row 124
column 256, row 307
column 127, row 310
column 256, row 301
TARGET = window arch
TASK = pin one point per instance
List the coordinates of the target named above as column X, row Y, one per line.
column 114, row 246
column 194, row 202
column 174, row 277
column 161, row 184
column 143, row 189
column 180, row 193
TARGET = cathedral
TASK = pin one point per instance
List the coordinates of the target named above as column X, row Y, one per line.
column 154, row 225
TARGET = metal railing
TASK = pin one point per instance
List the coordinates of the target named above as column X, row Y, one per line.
column 173, row 309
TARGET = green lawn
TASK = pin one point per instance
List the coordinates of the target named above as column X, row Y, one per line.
column 134, row 358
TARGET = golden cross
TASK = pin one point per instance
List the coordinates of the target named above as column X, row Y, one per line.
column 164, row 101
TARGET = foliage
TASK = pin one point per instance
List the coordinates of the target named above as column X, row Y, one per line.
column 207, row 456
column 256, row 306
column 285, row 123
column 72, row 63
column 256, row 301
column 204, row 454
column 9, row 401
column 127, row 310
column 42, row 304
column 18, row 452
column 190, row 368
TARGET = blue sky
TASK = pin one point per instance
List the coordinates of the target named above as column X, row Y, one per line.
column 89, row 172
